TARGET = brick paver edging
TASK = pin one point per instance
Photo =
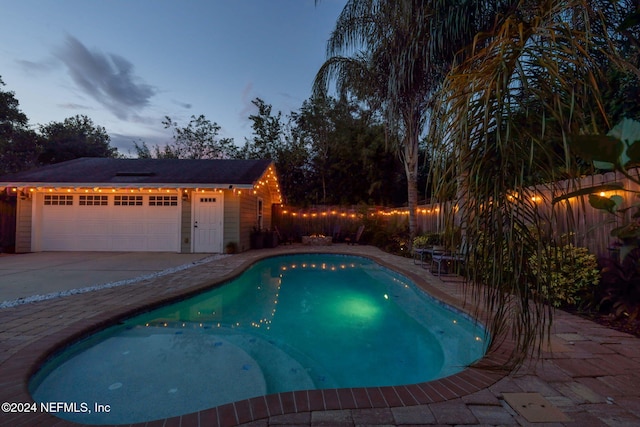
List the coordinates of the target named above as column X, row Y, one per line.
column 16, row 371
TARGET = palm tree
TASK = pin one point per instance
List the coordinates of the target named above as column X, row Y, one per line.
column 367, row 56
column 395, row 54
column 508, row 111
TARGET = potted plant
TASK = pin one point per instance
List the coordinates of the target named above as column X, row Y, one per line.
column 256, row 238
column 231, row 248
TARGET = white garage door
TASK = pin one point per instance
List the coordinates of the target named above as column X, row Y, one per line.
column 114, row 222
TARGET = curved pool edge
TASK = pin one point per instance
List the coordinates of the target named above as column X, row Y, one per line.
column 481, row 375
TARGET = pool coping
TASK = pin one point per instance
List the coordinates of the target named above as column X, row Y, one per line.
column 20, row 367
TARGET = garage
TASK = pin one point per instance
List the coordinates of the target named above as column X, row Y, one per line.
column 113, row 222
column 143, row 205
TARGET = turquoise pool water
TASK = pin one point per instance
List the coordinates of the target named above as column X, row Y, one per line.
column 287, row 323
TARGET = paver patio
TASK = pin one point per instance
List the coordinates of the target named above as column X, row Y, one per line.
column 591, row 373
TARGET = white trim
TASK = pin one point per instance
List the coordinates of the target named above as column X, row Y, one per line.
column 260, row 212
column 128, row 185
column 219, row 196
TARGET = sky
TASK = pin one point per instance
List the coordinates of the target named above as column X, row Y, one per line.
column 127, row 64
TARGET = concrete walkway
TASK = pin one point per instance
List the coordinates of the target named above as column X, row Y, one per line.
column 44, row 273
column 588, row 377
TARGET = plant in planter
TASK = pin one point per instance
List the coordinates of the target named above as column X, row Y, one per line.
column 231, row 248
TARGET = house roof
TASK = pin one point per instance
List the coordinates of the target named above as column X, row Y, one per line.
column 111, row 172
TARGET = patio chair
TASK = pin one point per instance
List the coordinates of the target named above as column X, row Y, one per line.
column 446, row 258
column 355, row 238
column 425, row 254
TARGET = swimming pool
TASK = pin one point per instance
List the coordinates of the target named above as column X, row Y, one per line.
column 287, row 323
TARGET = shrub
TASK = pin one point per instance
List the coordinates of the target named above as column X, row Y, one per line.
column 569, row 275
column 427, row 239
column 620, row 286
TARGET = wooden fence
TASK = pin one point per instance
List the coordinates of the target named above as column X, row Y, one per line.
column 341, row 221
column 590, row 227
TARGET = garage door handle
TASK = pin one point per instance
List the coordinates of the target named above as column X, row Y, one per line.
column 195, row 225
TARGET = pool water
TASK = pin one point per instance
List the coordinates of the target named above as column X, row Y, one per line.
column 287, row 323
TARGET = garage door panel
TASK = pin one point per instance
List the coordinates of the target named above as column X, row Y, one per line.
column 64, row 228
column 130, row 243
column 92, row 243
column 161, row 243
column 110, row 227
column 89, row 227
column 163, row 228
column 121, row 228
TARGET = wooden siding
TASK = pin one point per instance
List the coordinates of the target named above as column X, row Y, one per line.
column 232, row 221
column 248, row 205
column 23, row 225
column 248, row 218
column 8, row 224
column 185, row 225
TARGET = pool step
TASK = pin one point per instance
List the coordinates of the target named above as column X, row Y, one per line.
column 281, row 370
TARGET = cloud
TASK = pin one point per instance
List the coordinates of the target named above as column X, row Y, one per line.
column 125, row 142
column 36, row 67
column 184, row 105
column 107, row 78
column 73, row 106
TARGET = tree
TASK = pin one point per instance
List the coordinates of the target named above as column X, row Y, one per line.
column 385, row 53
column 508, row 110
column 275, row 140
column 293, row 168
column 268, row 133
column 198, row 140
column 346, row 144
column 316, row 127
column 620, row 81
column 73, row 138
column 19, row 146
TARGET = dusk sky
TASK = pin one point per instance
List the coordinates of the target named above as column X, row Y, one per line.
column 127, row 64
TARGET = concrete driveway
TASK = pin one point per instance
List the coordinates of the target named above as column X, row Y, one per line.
column 44, row 273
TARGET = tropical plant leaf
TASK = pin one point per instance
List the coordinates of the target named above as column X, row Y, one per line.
column 603, row 150
column 619, row 200
column 603, row 203
column 589, row 190
column 633, row 152
column 626, row 231
column 628, row 132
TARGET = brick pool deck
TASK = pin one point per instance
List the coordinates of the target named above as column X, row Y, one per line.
column 590, row 373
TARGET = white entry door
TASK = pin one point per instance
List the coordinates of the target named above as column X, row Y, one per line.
column 208, row 216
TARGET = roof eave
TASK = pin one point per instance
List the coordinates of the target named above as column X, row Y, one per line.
column 125, row 185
